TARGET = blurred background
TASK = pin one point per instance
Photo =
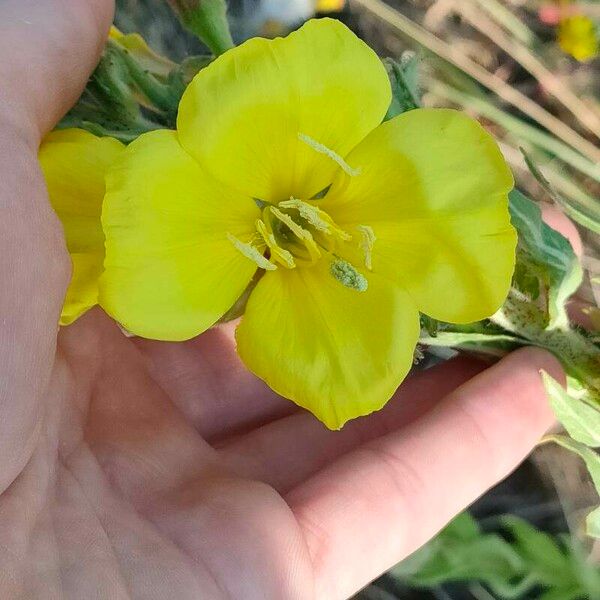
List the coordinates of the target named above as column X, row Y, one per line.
column 529, row 71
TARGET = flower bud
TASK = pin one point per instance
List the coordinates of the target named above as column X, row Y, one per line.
column 137, row 47
column 207, row 20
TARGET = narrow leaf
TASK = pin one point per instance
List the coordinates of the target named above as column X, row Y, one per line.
column 581, row 420
column 546, row 254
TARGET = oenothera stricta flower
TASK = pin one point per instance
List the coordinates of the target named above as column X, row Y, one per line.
column 74, row 163
column 281, row 174
column 578, row 36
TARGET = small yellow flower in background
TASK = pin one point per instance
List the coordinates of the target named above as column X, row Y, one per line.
column 74, row 163
column 578, row 36
column 330, row 6
column 281, row 170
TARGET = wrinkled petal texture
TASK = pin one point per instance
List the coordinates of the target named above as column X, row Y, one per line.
column 335, row 351
column 170, row 271
column 241, row 116
column 74, row 163
column 434, row 188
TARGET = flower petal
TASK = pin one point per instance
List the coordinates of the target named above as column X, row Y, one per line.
column 170, row 270
column 335, row 351
column 74, row 163
column 241, row 116
column 434, row 188
column 82, row 292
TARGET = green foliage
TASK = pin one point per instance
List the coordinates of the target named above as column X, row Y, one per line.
column 535, row 313
column 126, row 97
column 581, row 420
column 404, row 79
column 529, row 562
column 206, row 19
column 545, row 258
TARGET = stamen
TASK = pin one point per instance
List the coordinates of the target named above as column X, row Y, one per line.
column 252, row 253
column 347, row 275
column 278, row 253
column 302, row 234
column 322, row 149
column 318, row 218
column 367, row 243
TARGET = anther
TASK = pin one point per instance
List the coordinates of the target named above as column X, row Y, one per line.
column 367, row 243
column 322, row 149
column 278, row 253
column 348, row 276
column 316, row 217
column 252, row 253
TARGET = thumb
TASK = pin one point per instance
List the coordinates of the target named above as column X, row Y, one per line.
column 47, row 50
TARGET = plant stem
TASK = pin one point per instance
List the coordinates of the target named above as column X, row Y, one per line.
column 562, row 92
column 509, row 21
column 494, row 83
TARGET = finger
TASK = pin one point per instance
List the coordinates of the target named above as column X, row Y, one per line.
column 381, row 502
column 208, row 382
column 38, row 81
column 49, row 48
column 287, row 451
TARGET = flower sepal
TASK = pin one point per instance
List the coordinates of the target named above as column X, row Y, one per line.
column 133, row 90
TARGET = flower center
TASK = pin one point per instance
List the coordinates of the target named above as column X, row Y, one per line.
column 298, row 233
column 294, row 233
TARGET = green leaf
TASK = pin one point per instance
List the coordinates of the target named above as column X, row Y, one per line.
column 581, row 420
column 404, row 81
column 575, row 593
column 484, row 343
column 546, row 254
column 462, row 553
column 543, row 555
column 511, row 570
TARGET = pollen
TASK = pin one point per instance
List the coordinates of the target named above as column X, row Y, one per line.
column 249, row 251
column 348, row 276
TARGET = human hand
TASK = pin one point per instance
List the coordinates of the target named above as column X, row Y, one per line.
column 140, row 469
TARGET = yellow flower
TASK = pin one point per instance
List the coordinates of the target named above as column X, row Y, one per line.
column 330, row 6
column 74, row 163
column 280, row 170
column 577, row 36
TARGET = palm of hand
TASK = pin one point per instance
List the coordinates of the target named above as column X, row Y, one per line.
column 150, row 470
column 123, row 498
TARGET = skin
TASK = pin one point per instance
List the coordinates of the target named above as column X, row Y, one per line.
column 138, row 469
